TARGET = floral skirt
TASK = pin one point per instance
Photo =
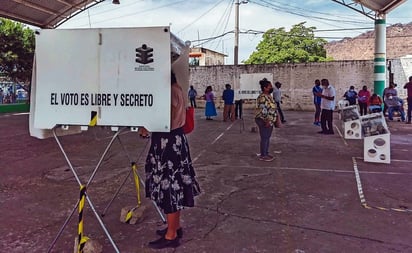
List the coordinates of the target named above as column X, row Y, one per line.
column 170, row 177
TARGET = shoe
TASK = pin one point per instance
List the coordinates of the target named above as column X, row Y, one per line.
column 330, row 132
column 162, row 232
column 283, row 121
column 408, row 122
column 162, row 243
column 267, row 158
column 321, row 132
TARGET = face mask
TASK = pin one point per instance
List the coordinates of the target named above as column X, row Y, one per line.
column 270, row 90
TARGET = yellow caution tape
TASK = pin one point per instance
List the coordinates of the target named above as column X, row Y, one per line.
column 82, row 239
column 93, row 118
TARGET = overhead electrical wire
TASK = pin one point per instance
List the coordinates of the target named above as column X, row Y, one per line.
column 223, row 20
column 141, row 11
column 197, row 19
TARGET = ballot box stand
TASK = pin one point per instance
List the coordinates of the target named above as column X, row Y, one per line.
column 83, row 190
column 351, row 123
column 84, row 196
column 376, row 147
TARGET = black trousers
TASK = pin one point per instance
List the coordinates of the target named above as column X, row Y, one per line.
column 363, row 108
column 238, row 108
column 326, row 121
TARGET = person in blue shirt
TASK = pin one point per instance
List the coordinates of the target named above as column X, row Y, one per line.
column 316, row 101
column 229, row 108
column 351, row 95
column 192, row 94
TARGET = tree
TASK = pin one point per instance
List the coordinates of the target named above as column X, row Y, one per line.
column 16, row 50
column 297, row 45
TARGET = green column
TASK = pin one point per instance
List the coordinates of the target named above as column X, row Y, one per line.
column 380, row 56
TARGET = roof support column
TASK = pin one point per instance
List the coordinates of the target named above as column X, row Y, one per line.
column 380, row 55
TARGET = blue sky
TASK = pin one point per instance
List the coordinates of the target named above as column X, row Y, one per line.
column 203, row 19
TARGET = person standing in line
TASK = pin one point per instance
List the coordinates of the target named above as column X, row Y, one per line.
column 192, row 94
column 277, row 96
column 210, row 110
column 170, row 176
column 316, row 101
column 229, row 109
column 408, row 86
column 363, row 100
column 327, row 106
column 238, row 108
column 265, row 118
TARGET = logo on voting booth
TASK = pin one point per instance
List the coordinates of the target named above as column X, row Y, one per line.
column 144, row 54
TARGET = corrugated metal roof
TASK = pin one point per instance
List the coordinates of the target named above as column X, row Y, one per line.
column 380, row 6
column 52, row 13
column 44, row 13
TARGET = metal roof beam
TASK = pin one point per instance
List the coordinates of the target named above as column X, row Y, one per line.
column 357, row 7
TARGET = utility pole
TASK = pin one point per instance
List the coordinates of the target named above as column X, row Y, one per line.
column 236, row 53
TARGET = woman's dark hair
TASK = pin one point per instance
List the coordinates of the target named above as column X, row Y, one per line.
column 172, row 78
column 208, row 88
column 264, row 83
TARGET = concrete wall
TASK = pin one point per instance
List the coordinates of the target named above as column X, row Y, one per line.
column 297, row 79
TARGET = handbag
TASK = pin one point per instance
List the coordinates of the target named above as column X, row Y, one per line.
column 190, row 120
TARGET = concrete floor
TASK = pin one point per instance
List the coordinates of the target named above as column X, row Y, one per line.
column 306, row 200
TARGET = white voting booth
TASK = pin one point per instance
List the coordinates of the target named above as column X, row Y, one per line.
column 249, row 87
column 113, row 77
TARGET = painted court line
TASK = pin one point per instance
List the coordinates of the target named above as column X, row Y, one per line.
column 325, row 170
column 213, row 142
column 362, row 196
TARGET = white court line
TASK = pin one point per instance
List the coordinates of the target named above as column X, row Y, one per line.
column 392, row 160
column 14, row 114
column 341, row 135
column 358, row 182
column 213, row 142
column 325, row 170
column 362, row 196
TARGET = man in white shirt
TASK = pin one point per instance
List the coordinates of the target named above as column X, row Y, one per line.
column 277, row 96
column 327, row 105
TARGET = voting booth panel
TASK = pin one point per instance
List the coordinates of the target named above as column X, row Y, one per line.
column 114, row 76
column 117, row 77
column 249, row 87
